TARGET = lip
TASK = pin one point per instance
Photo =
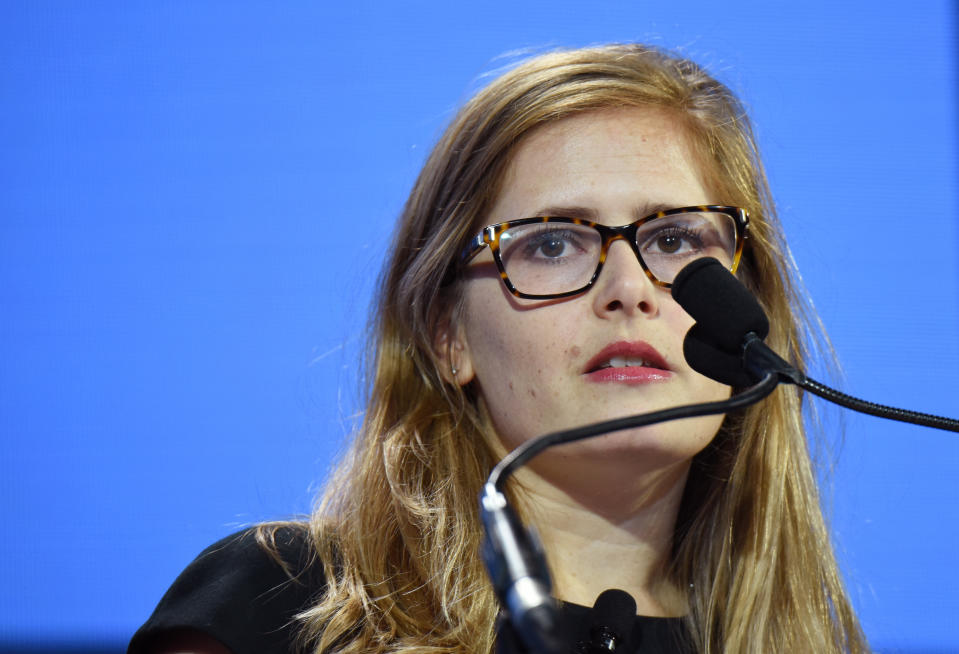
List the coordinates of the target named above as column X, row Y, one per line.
column 657, row 371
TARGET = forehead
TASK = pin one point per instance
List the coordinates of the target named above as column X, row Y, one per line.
column 600, row 160
column 620, row 128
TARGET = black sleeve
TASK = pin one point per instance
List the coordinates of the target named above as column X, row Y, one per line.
column 236, row 592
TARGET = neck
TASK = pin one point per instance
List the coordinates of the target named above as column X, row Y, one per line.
column 611, row 534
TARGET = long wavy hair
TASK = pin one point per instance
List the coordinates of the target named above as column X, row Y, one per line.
column 398, row 529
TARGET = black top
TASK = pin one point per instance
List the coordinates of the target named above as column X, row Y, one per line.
column 240, row 595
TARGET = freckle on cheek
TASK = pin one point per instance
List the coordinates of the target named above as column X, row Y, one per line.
column 532, row 392
column 511, row 385
column 574, row 351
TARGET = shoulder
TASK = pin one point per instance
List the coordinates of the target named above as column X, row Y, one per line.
column 243, row 592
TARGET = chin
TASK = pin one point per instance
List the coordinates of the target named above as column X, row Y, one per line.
column 646, row 448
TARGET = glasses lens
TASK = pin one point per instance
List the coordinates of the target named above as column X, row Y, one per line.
column 550, row 257
column 667, row 244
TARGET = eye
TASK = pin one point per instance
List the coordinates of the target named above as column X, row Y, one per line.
column 548, row 243
column 672, row 239
column 669, row 243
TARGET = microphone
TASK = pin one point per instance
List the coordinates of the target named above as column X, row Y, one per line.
column 517, row 567
column 611, row 623
column 726, row 343
column 724, row 308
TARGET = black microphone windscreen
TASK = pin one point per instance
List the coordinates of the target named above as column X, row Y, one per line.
column 725, row 309
column 707, row 359
column 614, row 610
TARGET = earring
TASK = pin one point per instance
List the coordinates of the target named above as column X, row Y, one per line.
column 454, row 370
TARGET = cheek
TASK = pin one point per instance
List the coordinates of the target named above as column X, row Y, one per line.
column 519, row 356
column 510, row 357
column 713, row 391
column 678, row 323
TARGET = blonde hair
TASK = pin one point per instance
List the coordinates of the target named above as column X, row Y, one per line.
column 398, row 529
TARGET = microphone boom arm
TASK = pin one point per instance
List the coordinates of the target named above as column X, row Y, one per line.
column 759, row 359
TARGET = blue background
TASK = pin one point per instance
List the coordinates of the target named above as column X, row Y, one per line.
column 195, row 198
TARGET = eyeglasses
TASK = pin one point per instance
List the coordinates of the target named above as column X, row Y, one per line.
column 547, row 257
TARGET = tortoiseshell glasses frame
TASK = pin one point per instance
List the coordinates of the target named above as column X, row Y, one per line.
column 734, row 218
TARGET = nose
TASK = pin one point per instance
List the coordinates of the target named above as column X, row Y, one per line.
column 623, row 286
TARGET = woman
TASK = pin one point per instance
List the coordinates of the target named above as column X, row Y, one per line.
column 484, row 338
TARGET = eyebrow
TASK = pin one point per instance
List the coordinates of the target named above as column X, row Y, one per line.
column 587, row 213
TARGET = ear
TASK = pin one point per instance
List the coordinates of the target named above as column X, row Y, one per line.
column 453, row 353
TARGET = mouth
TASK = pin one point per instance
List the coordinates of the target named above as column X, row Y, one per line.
column 628, row 360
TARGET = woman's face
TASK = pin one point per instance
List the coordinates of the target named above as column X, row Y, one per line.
column 542, row 365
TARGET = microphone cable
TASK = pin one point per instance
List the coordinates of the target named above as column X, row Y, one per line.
column 527, row 450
